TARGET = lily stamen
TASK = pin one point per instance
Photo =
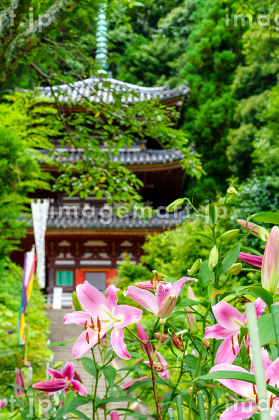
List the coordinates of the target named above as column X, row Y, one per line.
column 87, row 337
column 85, row 325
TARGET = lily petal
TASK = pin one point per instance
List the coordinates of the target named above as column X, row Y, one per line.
column 143, row 336
column 81, row 346
column 245, row 389
column 266, row 362
column 114, row 415
column 143, row 297
column 118, row 344
column 127, row 315
column 228, row 316
column 93, row 301
column 77, row 317
column 77, row 386
column 177, row 285
column 112, row 298
column 162, row 292
column 54, row 373
column 163, row 361
column 272, row 373
column 216, row 331
column 128, row 385
column 164, row 375
column 68, row 371
column 225, row 353
column 240, row 411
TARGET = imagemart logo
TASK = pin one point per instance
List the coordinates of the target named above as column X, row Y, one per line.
column 240, row 19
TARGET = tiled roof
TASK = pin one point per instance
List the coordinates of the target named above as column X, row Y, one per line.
column 130, row 222
column 98, row 90
column 131, row 157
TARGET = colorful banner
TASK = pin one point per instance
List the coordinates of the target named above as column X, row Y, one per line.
column 40, row 214
column 27, row 286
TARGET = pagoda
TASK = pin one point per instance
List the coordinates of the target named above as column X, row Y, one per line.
column 82, row 244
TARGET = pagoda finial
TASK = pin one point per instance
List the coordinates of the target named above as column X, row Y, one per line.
column 102, row 38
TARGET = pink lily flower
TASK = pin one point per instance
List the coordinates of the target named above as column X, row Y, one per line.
column 144, row 337
column 161, row 367
column 254, row 260
column 163, row 302
column 245, row 410
column 100, row 316
column 128, row 385
column 230, row 321
column 3, row 403
column 270, row 266
column 68, row 374
column 19, row 382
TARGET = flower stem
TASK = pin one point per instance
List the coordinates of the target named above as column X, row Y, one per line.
column 154, row 328
column 153, row 382
column 160, row 341
column 96, row 385
column 194, row 386
column 174, row 389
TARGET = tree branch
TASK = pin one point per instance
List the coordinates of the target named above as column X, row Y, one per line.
column 28, row 39
column 12, row 17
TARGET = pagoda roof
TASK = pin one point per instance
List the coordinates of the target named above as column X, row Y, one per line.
column 136, row 158
column 82, row 225
column 101, row 90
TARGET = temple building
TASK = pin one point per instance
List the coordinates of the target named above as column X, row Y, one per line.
column 85, row 239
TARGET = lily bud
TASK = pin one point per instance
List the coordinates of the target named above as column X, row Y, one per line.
column 232, row 191
column 235, row 269
column 76, row 302
column 128, row 385
column 3, row 403
column 177, row 342
column 18, row 361
column 195, row 267
column 256, row 230
column 213, row 257
column 270, row 266
column 175, row 205
column 167, row 306
column 191, row 319
column 230, row 234
column 206, row 344
column 53, row 385
column 164, row 338
column 57, row 365
column 255, row 261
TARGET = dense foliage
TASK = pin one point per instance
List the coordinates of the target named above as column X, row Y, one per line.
column 38, row 329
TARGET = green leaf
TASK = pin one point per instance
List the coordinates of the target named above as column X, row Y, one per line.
column 241, row 376
column 229, row 259
column 266, row 217
column 187, row 302
column 212, row 292
column 205, row 275
column 68, row 400
column 205, row 236
column 89, row 366
column 62, row 343
column 110, row 375
column 250, row 250
column 80, row 414
column 262, row 293
column 243, row 332
column 266, row 330
column 146, row 382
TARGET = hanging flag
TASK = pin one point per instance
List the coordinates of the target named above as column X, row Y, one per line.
column 27, row 286
column 39, row 215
